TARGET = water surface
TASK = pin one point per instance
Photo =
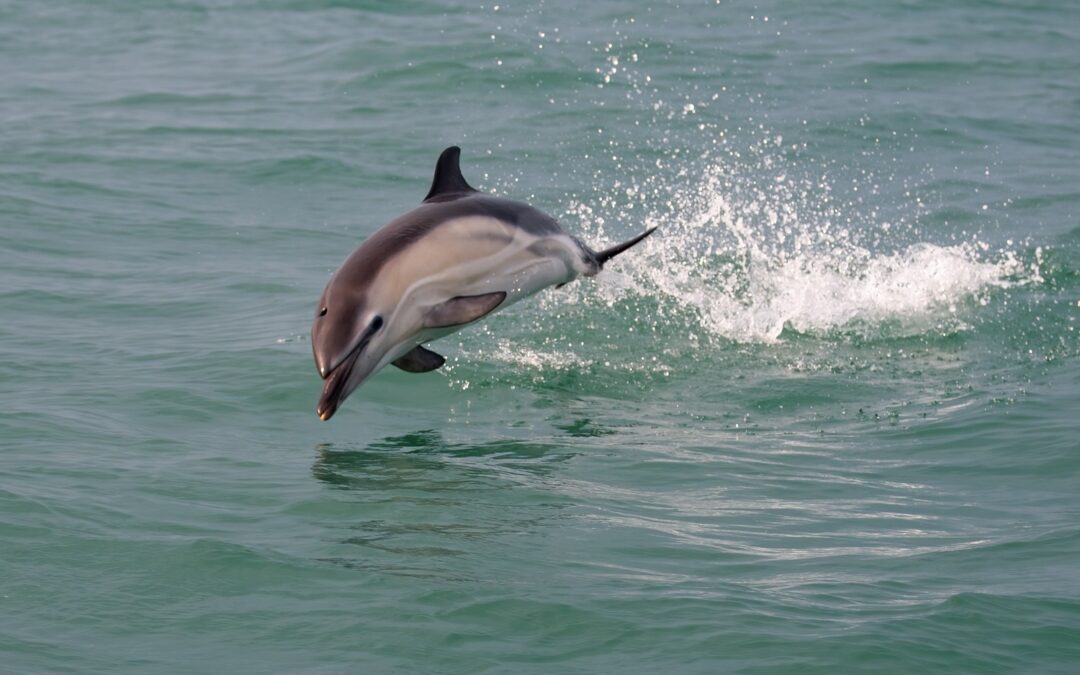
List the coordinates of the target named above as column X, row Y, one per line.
column 823, row 421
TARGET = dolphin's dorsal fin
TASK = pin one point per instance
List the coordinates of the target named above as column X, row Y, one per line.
column 448, row 179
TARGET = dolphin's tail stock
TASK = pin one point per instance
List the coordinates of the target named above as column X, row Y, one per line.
column 609, row 253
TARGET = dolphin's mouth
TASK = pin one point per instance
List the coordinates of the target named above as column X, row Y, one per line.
column 334, row 385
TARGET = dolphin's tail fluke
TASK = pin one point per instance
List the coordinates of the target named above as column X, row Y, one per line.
column 609, row 253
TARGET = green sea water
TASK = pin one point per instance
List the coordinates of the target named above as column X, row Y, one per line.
column 826, row 420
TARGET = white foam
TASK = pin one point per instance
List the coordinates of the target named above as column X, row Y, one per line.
column 915, row 289
column 753, row 258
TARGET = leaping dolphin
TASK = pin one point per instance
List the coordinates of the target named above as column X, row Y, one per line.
column 454, row 259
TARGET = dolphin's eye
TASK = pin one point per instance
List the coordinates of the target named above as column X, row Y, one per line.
column 376, row 324
column 322, row 312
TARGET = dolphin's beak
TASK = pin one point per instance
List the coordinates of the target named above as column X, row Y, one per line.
column 334, row 388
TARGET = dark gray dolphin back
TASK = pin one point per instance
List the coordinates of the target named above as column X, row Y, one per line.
column 449, row 198
column 405, row 230
column 449, row 185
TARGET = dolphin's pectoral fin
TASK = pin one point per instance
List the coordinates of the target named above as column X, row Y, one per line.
column 420, row 360
column 462, row 309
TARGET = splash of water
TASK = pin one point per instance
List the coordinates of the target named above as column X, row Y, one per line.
column 753, row 252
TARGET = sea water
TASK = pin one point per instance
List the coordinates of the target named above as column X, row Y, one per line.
column 824, row 420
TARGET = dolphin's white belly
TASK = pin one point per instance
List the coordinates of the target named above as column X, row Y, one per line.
column 519, row 271
column 477, row 256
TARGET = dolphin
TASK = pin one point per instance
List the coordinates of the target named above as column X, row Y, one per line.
column 456, row 258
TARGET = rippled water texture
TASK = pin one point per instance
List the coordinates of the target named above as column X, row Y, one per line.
column 825, row 420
